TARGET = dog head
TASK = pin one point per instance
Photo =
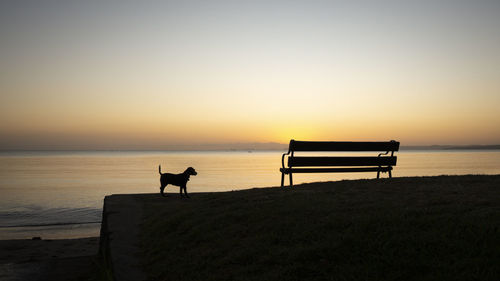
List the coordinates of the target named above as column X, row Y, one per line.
column 190, row 171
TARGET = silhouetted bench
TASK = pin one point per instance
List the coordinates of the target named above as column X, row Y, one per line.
column 338, row 164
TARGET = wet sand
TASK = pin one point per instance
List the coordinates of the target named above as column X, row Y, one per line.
column 65, row 259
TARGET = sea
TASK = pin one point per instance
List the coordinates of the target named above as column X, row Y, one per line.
column 59, row 195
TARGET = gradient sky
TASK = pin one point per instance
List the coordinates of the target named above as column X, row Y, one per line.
column 151, row 74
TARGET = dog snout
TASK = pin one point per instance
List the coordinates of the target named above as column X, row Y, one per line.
column 191, row 171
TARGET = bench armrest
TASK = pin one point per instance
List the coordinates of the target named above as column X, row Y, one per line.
column 283, row 158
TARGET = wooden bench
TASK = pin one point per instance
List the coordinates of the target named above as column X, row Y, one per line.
column 338, row 164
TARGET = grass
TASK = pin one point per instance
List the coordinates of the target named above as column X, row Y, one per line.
column 428, row 228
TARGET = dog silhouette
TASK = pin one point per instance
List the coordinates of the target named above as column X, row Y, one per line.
column 179, row 180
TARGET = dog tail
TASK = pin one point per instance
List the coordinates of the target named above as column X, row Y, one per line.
column 159, row 169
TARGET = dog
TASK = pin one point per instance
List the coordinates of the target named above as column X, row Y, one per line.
column 179, row 180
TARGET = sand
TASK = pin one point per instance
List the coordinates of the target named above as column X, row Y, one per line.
column 66, row 259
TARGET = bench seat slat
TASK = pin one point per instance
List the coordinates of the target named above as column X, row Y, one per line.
column 343, row 146
column 315, row 161
column 334, row 170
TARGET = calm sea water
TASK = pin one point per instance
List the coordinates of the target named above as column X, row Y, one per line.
column 60, row 194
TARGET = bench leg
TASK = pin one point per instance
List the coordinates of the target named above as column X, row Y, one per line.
column 282, row 178
column 378, row 174
column 390, row 174
column 291, row 181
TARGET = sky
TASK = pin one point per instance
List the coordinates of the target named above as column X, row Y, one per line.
column 166, row 74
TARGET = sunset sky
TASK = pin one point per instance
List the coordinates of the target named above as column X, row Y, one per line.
column 159, row 74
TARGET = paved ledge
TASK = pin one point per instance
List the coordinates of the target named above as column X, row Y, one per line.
column 119, row 241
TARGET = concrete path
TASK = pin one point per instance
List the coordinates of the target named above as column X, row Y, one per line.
column 120, row 231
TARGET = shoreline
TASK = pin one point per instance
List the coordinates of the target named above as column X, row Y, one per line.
column 51, row 232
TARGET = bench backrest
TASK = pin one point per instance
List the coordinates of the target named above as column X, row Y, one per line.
column 318, row 161
column 343, row 146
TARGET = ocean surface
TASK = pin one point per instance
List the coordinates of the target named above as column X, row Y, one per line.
column 60, row 194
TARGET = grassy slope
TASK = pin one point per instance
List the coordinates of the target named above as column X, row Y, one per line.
column 430, row 228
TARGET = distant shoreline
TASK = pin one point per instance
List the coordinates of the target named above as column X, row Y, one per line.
column 452, row 147
column 251, row 149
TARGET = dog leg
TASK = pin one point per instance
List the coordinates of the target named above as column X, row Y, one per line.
column 180, row 191
column 185, row 191
column 162, row 188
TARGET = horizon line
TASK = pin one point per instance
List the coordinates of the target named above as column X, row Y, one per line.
column 239, row 149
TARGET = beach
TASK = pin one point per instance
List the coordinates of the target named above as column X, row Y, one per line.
column 63, row 259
